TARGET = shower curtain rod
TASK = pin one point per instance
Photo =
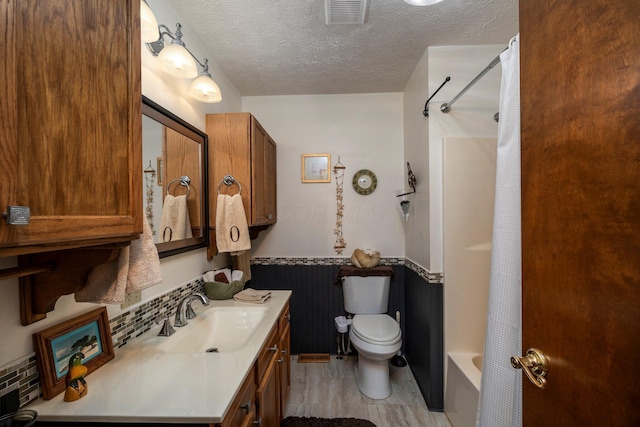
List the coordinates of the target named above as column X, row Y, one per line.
column 446, row 107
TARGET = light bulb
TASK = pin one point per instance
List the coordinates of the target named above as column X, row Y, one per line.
column 148, row 24
column 177, row 61
column 204, row 89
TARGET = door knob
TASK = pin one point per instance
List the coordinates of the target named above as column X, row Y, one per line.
column 534, row 365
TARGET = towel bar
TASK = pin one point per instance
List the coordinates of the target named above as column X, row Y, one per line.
column 229, row 180
column 184, row 181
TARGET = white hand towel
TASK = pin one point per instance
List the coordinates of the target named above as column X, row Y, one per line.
column 232, row 231
column 175, row 223
column 137, row 267
column 252, row 296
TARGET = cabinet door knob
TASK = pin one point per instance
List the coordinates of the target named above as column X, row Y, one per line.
column 17, row 215
column 274, row 348
column 246, row 407
column 258, row 422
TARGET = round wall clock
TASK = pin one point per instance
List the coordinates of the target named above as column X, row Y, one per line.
column 365, row 182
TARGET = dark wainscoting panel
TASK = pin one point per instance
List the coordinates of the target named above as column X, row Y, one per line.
column 424, row 344
column 316, row 301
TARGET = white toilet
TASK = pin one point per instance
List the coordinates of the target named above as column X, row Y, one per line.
column 374, row 334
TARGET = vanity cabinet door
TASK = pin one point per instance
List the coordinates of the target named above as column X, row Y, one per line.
column 284, row 366
column 267, row 397
column 70, row 141
column 263, row 177
column 242, row 412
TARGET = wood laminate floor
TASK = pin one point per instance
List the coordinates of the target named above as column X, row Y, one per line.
column 328, row 390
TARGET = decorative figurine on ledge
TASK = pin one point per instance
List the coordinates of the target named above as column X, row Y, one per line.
column 76, row 384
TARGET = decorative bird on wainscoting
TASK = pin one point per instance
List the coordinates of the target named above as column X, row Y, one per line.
column 76, row 384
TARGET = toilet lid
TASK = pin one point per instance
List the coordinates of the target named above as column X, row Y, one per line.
column 376, row 328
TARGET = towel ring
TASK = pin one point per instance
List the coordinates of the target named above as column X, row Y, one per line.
column 229, row 180
column 184, row 181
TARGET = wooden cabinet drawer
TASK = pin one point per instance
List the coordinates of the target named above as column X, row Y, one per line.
column 268, row 351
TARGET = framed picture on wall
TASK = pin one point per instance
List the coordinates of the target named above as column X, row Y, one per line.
column 88, row 334
column 315, row 168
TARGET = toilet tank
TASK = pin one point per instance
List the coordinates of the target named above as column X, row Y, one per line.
column 366, row 295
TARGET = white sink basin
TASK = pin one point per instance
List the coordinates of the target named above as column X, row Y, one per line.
column 215, row 330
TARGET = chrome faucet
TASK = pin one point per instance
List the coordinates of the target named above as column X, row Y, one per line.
column 185, row 311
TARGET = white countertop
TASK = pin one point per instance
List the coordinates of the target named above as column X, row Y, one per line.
column 143, row 384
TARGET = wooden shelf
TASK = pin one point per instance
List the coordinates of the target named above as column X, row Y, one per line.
column 40, row 290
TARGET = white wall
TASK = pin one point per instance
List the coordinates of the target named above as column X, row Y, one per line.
column 366, row 131
column 416, row 152
column 176, row 270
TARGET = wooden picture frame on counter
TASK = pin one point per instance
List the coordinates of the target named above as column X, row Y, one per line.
column 88, row 333
column 316, row 167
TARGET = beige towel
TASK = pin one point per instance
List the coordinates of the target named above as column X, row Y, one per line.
column 175, row 224
column 232, row 231
column 137, row 267
column 252, row 296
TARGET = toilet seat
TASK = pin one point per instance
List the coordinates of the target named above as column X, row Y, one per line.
column 378, row 329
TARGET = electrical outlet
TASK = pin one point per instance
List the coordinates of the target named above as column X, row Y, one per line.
column 131, row 299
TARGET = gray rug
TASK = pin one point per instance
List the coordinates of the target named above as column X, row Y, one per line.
column 325, row 422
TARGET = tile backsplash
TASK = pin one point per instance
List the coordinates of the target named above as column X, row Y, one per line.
column 23, row 373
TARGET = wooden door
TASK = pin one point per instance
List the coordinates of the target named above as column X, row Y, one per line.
column 580, row 110
column 270, row 183
column 181, row 156
column 258, row 173
column 229, row 154
column 284, row 368
column 71, row 133
column 267, row 397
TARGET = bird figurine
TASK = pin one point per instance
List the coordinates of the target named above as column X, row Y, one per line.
column 76, row 384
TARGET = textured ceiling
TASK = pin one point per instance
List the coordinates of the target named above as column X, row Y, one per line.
column 284, row 47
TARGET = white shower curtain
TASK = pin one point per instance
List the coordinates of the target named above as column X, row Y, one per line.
column 500, row 403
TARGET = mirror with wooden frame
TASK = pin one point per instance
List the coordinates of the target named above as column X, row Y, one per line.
column 174, row 182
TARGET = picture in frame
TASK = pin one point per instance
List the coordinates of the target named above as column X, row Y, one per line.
column 315, row 167
column 88, row 333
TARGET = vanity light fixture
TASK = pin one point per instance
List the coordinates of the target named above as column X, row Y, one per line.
column 178, row 61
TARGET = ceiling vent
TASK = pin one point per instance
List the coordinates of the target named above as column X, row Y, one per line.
column 345, row 11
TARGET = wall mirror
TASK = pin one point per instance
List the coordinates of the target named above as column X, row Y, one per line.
column 174, row 168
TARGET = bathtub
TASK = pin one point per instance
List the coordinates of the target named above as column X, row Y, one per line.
column 463, row 388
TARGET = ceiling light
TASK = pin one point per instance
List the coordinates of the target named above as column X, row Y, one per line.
column 148, row 23
column 422, row 2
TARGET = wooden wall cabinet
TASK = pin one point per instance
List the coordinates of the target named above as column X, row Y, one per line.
column 239, row 146
column 71, row 133
column 70, row 141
